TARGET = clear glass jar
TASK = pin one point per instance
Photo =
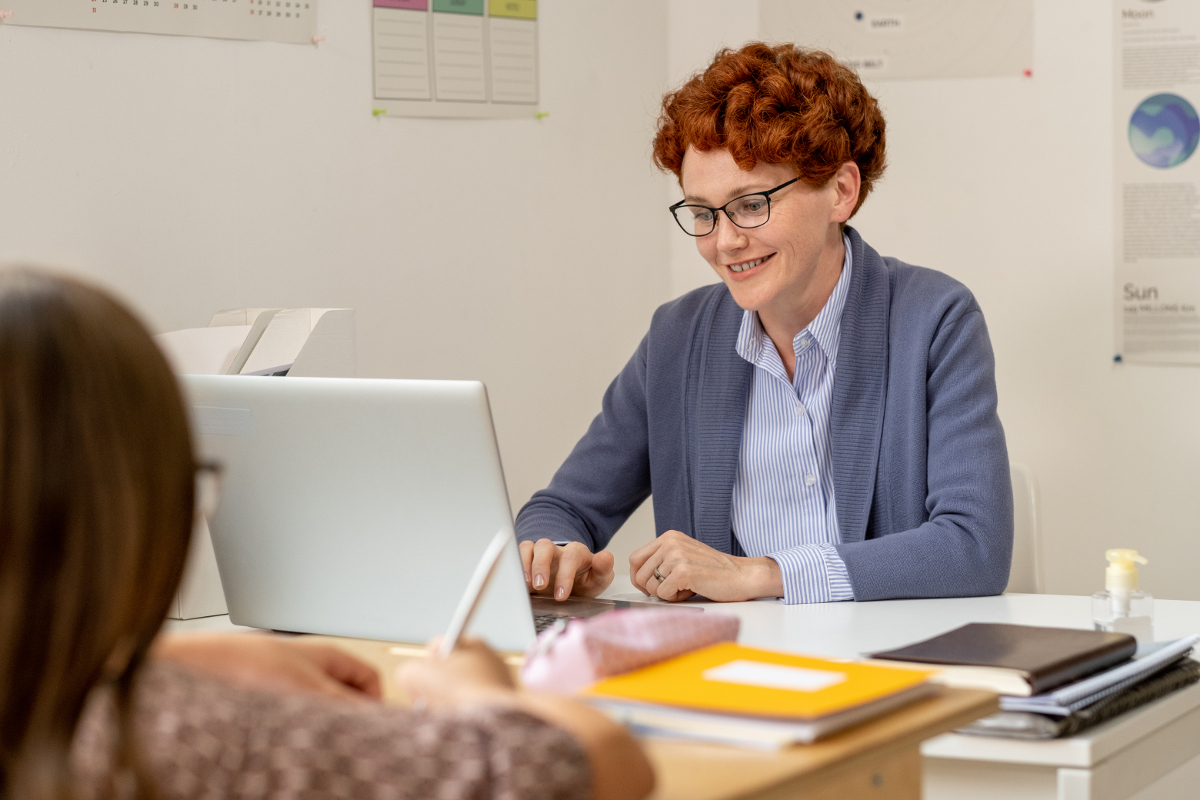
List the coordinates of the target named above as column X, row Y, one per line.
column 1129, row 612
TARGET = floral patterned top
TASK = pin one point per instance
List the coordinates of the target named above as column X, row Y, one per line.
column 201, row 738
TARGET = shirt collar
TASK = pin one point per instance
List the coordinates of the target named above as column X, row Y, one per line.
column 826, row 327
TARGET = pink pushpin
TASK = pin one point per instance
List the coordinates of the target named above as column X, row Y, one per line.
column 6, row 14
column 1028, row 73
column 318, row 39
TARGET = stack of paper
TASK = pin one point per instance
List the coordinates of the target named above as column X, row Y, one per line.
column 1075, row 696
column 1054, row 682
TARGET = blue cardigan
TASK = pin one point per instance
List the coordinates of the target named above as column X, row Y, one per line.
column 920, row 467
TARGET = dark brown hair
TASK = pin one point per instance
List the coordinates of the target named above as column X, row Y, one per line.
column 96, row 499
column 777, row 104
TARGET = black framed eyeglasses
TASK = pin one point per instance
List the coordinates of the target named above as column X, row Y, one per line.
column 748, row 211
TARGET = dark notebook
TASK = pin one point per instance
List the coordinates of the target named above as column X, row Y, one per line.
column 1026, row 725
column 1045, row 658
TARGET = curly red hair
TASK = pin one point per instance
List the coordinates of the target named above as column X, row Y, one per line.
column 777, row 104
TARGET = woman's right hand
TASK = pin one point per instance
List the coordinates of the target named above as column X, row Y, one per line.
column 563, row 570
column 474, row 675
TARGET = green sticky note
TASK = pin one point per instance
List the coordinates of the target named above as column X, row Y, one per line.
column 459, row 7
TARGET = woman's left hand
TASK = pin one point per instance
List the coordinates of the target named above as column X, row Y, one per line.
column 273, row 663
column 689, row 567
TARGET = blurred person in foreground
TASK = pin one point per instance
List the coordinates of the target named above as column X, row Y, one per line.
column 97, row 485
column 821, row 424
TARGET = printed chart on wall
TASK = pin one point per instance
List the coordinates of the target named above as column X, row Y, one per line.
column 258, row 20
column 456, row 58
column 910, row 39
column 1156, row 95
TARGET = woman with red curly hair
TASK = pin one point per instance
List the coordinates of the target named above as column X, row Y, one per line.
column 821, row 425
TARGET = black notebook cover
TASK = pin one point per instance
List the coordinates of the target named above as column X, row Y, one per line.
column 1046, row 657
column 1027, row 725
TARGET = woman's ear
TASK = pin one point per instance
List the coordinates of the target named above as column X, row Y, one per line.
column 847, row 181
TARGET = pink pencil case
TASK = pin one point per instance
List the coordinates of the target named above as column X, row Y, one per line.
column 565, row 659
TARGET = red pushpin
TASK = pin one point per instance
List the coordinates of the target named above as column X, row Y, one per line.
column 1028, row 73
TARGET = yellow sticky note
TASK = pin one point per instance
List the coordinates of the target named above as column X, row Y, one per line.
column 516, row 9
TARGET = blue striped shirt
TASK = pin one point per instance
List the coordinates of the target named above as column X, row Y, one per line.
column 783, row 504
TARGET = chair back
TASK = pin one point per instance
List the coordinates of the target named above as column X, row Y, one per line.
column 1026, row 574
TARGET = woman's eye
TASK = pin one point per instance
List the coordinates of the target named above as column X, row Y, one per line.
column 701, row 215
column 756, row 206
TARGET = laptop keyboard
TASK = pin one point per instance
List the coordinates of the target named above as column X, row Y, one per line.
column 543, row 621
column 547, row 611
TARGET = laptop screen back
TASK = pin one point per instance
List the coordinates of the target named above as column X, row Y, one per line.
column 357, row 507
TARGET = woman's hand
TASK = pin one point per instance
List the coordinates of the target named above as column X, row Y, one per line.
column 474, row 675
column 273, row 663
column 563, row 571
column 689, row 567
column 470, row 674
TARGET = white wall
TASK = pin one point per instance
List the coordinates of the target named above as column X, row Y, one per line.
column 194, row 174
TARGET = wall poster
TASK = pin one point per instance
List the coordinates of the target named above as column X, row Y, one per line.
column 292, row 21
column 1156, row 174
column 910, row 39
column 456, row 58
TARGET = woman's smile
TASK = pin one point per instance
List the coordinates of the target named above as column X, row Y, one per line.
column 745, row 269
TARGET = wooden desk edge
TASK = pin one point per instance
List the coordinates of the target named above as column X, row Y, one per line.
column 712, row 772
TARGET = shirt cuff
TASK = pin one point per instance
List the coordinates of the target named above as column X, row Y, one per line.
column 813, row 573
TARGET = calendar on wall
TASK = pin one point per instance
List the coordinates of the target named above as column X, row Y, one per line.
column 258, row 20
column 456, row 58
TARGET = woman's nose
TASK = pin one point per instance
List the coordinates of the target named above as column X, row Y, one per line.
column 729, row 236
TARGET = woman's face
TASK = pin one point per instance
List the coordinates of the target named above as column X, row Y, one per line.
column 787, row 266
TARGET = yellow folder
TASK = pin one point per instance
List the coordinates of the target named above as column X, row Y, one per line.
column 730, row 679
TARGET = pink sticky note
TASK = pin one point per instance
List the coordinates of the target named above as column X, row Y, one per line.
column 414, row 5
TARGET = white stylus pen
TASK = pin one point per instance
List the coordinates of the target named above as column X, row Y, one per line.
column 470, row 599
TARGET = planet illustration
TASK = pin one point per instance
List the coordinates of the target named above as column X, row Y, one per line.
column 1164, row 130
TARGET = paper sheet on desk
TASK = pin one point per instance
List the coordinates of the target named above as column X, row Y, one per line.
column 774, row 676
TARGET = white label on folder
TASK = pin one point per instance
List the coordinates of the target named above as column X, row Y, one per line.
column 221, row 421
column 774, row 676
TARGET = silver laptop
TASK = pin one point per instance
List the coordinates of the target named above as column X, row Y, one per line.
column 359, row 507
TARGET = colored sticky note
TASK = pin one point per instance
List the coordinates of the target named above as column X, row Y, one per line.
column 516, row 9
column 774, row 676
column 459, row 7
column 411, row 5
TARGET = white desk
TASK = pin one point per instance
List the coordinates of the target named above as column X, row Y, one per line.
column 1150, row 754
column 1153, row 752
